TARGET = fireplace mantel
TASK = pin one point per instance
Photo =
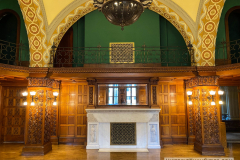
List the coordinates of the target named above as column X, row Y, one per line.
column 147, row 127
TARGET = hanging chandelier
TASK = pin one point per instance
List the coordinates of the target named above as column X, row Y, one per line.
column 122, row 12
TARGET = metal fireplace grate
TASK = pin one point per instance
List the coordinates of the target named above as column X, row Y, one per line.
column 123, row 133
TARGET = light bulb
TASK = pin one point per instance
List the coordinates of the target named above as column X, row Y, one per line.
column 212, row 92
column 220, row 102
column 220, row 92
column 25, row 94
column 32, row 93
column 32, row 103
column 213, row 103
column 55, row 94
column 54, row 103
column 24, row 103
column 189, row 93
column 190, row 102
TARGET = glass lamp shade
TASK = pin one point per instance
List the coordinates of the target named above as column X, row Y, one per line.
column 54, row 103
column 122, row 12
column 32, row 93
column 24, row 103
column 213, row 103
column 220, row 102
column 220, row 92
column 32, row 103
column 189, row 93
column 25, row 94
column 55, row 94
column 212, row 92
column 190, row 102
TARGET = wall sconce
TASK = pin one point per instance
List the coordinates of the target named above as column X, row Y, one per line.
column 25, row 98
column 189, row 93
column 55, row 94
column 35, row 98
column 212, row 93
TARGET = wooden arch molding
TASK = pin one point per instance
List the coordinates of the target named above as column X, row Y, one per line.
column 33, row 19
column 2, row 12
column 88, row 7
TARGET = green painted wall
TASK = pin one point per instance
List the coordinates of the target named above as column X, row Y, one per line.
column 221, row 51
column 150, row 29
column 221, row 34
column 13, row 5
column 172, row 44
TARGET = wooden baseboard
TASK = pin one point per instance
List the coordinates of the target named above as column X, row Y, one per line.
column 191, row 140
column 174, row 140
column 210, row 149
column 35, row 150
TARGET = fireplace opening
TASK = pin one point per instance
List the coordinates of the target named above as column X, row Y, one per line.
column 122, row 133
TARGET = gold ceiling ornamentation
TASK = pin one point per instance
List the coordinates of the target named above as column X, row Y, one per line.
column 207, row 33
column 32, row 15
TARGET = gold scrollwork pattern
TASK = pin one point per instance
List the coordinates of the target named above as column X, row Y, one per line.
column 33, row 19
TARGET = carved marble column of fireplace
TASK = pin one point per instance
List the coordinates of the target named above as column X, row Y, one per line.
column 147, row 127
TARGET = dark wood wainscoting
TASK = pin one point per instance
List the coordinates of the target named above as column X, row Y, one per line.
column 73, row 120
column 13, row 114
column 173, row 119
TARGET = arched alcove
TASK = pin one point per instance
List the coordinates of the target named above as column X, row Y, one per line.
column 9, row 35
column 163, row 43
column 232, row 25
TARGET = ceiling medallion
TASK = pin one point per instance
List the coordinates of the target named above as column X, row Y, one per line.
column 122, row 12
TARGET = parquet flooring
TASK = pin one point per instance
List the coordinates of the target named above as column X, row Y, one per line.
column 72, row 152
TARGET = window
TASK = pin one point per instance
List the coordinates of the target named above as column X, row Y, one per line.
column 122, row 94
column 131, row 95
column 113, row 95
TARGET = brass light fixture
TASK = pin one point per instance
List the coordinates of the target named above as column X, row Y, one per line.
column 35, row 98
column 210, row 98
column 122, row 12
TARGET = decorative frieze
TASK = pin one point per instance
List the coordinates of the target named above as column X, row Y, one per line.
column 202, row 81
column 40, row 82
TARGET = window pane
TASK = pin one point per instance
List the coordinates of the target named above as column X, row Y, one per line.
column 115, row 100
column 128, row 100
column 110, row 101
column 128, row 91
column 115, row 92
column 133, row 91
column 134, row 100
column 110, row 92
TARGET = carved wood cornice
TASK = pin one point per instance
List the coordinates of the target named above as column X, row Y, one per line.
column 123, row 70
column 40, row 82
column 202, row 81
column 11, row 68
column 154, row 81
column 47, row 72
column 91, row 81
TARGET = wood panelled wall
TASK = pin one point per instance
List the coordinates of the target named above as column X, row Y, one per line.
column 13, row 114
column 173, row 119
column 72, row 119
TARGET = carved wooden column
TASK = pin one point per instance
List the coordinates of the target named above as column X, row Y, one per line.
column 206, row 116
column 91, row 93
column 38, row 117
column 54, row 125
column 153, row 91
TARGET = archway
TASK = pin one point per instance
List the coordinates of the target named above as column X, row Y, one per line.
column 9, row 36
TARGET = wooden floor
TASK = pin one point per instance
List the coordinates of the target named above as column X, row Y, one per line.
column 13, row 151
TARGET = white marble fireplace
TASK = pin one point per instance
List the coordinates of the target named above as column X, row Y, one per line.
column 147, row 127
